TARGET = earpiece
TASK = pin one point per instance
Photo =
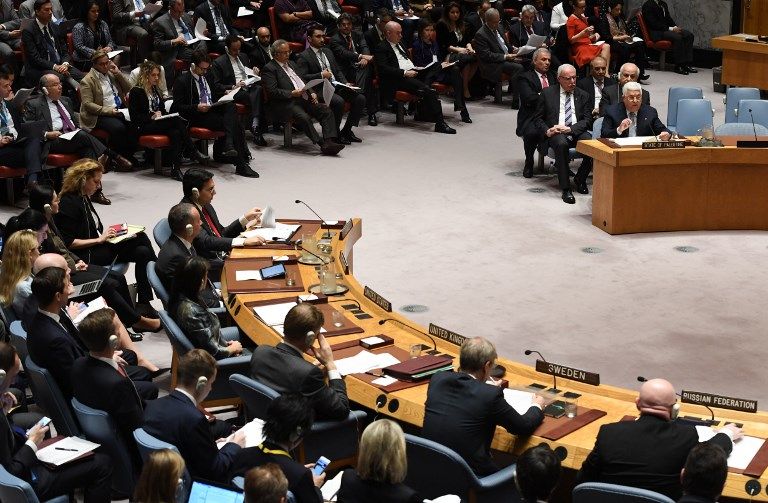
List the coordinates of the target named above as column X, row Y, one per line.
column 113, row 341
column 675, row 411
column 2, row 375
column 45, row 91
column 202, row 381
column 195, row 194
column 296, row 435
column 192, row 67
column 189, row 229
column 48, row 210
column 311, row 336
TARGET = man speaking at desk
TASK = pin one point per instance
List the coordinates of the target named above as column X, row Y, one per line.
column 631, row 117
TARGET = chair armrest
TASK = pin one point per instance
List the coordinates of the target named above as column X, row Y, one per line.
column 503, row 476
column 234, row 365
column 354, row 416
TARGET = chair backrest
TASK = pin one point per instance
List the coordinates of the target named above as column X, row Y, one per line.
column 148, row 444
column 434, row 469
column 692, row 115
column 99, row 427
column 643, row 27
column 597, row 492
column 19, row 339
column 49, row 397
column 597, row 127
column 740, row 129
column 15, row 490
column 161, row 232
column 759, row 111
column 255, row 395
column 732, row 98
column 157, row 285
column 178, row 340
column 273, row 23
column 676, row 94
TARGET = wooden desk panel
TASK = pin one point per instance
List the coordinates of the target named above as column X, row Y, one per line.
column 745, row 64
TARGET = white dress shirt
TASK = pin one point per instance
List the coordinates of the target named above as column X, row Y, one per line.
column 404, row 63
column 106, row 90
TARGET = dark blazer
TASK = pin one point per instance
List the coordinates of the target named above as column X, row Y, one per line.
column 201, row 326
column 15, row 456
column 122, row 17
column 462, row 413
column 648, row 453
column 529, row 88
column 283, row 369
column 75, row 222
column 186, row 95
column 309, row 66
column 648, row 122
column 222, row 74
column 10, row 19
column 373, row 38
column 518, row 35
column 204, row 12
column 612, row 96
column 176, row 420
column 278, row 86
column 138, row 107
column 356, row 490
column 52, row 347
column 260, row 55
column 36, row 109
column 164, row 31
column 37, row 60
column 656, row 15
column 207, row 243
column 548, row 111
column 346, row 57
column 473, row 18
column 489, row 53
column 378, row 4
column 390, row 74
column 172, row 256
column 588, row 84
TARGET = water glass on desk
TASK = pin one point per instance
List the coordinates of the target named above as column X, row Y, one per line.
column 571, row 407
column 309, row 243
column 328, row 278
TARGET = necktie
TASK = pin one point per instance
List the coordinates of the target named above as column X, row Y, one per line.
column 324, row 62
column 67, row 125
column 184, row 30
column 402, row 52
column 205, row 98
column 530, row 30
column 224, row 32
column 544, row 81
column 3, row 116
column 241, row 67
column 396, row 5
column 297, row 82
column 210, row 223
column 633, row 126
column 568, row 110
column 118, row 101
column 599, row 85
column 140, row 7
column 52, row 52
column 323, row 7
column 502, row 44
column 350, row 45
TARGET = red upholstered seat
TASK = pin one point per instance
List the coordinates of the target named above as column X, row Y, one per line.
column 101, row 135
column 510, row 13
column 154, row 141
column 352, row 10
column 61, row 160
column 242, row 109
column 180, row 65
column 659, row 45
column 201, row 133
column 8, row 172
column 440, row 88
column 404, row 96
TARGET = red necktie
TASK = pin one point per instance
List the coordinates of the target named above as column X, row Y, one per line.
column 210, row 223
column 530, row 31
column 544, row 82
column 121, row 370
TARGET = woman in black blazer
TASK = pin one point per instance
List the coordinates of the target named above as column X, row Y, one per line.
column 82, row 230
column 146, row 105
column 381, row 468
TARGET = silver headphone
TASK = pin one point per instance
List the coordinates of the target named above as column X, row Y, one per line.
column 189, row 229
column 113, row 341
column 202, row 381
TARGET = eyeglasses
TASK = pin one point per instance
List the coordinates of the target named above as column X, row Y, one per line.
column 567, row 78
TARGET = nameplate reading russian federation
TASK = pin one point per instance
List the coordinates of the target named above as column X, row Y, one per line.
column 446, row 335
column 568, row 372
column 721, row 402
column 377, row 299
column 651, row 145
column 345, row 230
column 343, row 260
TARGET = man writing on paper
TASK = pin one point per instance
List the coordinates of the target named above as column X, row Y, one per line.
column 650, row 452
column 172, row 33
column 632, row 118
column 462, row 410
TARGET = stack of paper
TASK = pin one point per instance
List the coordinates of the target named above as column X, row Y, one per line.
column 273, row 314
column 94, row 305
column 254, row 434
column 365, row 361
column 65, row 450
column 743, row 452
column 242, row 11
column 248, row 275
column 520, row 400
column 279, row 232
column 331, row 487
column 200, row 28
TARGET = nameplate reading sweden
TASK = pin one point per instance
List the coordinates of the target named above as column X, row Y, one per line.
column 652, row 145
column 568, row 372
column 446, row 335
column 721, row 402
column 377, row 299
column 345, row 230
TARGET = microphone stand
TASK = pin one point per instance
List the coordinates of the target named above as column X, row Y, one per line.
column 432, row 351
column 554, row 377
column 327, row 234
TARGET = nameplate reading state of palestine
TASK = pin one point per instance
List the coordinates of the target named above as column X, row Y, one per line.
column 568, row 372
column 345, row 230
column 721, row 402
column 377, row 299
column 663, row 144
column 446, row 335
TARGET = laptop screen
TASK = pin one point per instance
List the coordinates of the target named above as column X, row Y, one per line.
column 209, row 492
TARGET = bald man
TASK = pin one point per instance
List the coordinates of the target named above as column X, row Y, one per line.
column 650, row 452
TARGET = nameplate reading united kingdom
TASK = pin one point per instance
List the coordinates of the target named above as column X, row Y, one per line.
column 446, row 335
column 345, row 230
column 568, row 372
column 377, row 299
column 651, row 145
column 721, row 402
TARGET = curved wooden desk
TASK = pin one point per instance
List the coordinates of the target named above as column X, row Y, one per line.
column 616, row 402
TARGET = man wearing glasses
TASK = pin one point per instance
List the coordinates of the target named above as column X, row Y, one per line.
column 632, row 117
column 564, row 115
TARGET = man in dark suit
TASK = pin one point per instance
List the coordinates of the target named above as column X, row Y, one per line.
column 629, row 72
column 704, row 474
column 287, row 100
column 542, row 16
column 178, row 420
column 317, row 62
column 396, row 73
column 10, row 32
column 262, row 51
column 632, row 118
column 44, row 50
column 661, row 26
column 20, row 144
column 495, row 57
column 194, row 96
column 650, row 452
column 17, row 455
column 218, row 22
column 354, row 57
column 375, row 34
column 462, row 410
column 283, row 368
column 230, row 70
column 596, row 82
column 529, row 86
column 402, row 14
column 129, row 21
column 564, row 116
column 172, row 31
column 476, row 18
column 527, row 25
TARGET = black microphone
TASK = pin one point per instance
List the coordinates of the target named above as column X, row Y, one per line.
column 432, row 351
column 327, row 234
column 650, row 125
column 753, row 123
column 712, row 413
column 554, row 377
column 297, row 244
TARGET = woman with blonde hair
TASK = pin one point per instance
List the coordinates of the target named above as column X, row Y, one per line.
column 82, row 230
column 21, row 251
column 162, row 479
column 381, row 468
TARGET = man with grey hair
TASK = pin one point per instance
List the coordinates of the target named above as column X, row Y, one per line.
column 463, row 410
column 529, row 86
column 527, row 25
column 564, row 116
column 632, row 118
column 628, row 72
column 495, row 56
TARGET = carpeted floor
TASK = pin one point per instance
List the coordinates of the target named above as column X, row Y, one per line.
column 448, row 222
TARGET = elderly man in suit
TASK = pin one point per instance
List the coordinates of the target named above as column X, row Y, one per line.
column 596, row 82
column 529, row 86
column 564, row 116
column 129, row 21
column 44, row 49
column 632, row 118
column 288, row 100
column 661, row 26
column 10, row 31
column 528, row 25
column 317, row 62
column 629, row 72
column 172, row 33
column 284, row 369
column 496, row 58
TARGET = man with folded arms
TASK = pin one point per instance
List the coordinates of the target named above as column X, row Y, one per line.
column 650, row 452
column 463, row 410
column 632, row 118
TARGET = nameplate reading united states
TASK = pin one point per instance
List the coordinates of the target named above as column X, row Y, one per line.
column 721, row 402
column 663, row 144
column 446, row 335
column 345, row 230
column 568, row 372
column 377, row 299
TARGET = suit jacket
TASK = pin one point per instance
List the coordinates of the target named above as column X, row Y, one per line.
column 9, row 18
column 390, row 74
column 473, row 19
column 548, row 111
column 261, row 56
column 173, row 254
column 356, row 490
column 529, row 88
column 612, row 96
column 648, row 453
column 283, row 369
column 37, row 60
column 373, row 38
column 163, row 31
column 122, row 16
column 378, row 4
column 186, row 95
column 648, row 122
column 15, row 455
column 656, row 15
column 278, row 86
column 202, row 11
column 74, row 221
column 207, row 243
column 518, row 35
column 346, row 57
column 588, row 84
column 462, row 413
column 201, row 326
column 36, row 109
column 92, row 96
column 309, row 66
column 176, row 420
column 490, row 54
column 27, row 9
column 222, row 74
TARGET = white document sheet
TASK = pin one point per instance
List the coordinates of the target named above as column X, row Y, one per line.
column 331, row 487
column 125, row 113
column 247, row 275
column 112, row 54
column 279, row 231
column 70, row 135
column 254, row 434
column 743, row 452
column 273, row 314
column 384, row 381
column 312, row 83
column 200, row 28
column 242, row 11
column 448, row 498
column 94, row 305
column 365, row 361
column 65, row 450
column 167, row 116
column 520, row 400
column 534, row 42
column 632, row 141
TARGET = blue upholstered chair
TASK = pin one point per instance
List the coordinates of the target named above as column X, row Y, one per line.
column 733, row 97
column 19, row 339
column 15, row 490
column 157, row 285
column 759, row 111
column 740, row 129
column 676, row 94
column 49, row 397
column 692, row 115
column 148, row 444
column 597, row 492
column 161, row 232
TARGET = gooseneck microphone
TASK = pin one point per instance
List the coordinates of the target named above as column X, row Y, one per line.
column 528, row 352
column 650, row 125
column 754, row 130
column 711, row 412
column 297, row 245
column 433, row 351
column 327, row 234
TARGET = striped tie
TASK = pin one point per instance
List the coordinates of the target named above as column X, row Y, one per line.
column 568, row 110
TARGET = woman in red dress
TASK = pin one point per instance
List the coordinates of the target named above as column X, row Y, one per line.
column 581, row 35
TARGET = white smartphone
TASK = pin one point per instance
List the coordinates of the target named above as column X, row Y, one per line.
column 320, row 466
column 45, row 421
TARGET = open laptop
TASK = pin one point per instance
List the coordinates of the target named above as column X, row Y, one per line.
column 204, row 491
column 92, row 286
